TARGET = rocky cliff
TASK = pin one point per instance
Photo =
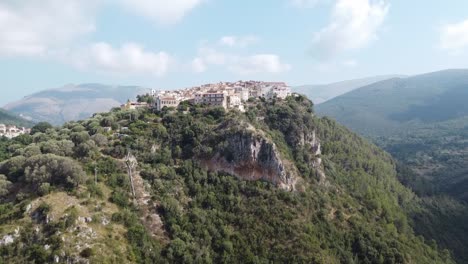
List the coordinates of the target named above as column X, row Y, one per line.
column 250, row 154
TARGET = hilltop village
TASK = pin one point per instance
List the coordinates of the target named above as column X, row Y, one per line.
column 12, row 131
column 229, row 95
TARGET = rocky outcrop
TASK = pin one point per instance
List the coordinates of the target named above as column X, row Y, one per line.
column 250, row 155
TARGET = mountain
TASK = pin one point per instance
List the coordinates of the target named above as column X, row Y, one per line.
column 275, row 184
column 423, row 122
column 322, row 93
column 398, row 104
column 8, row 118
column 73, row 102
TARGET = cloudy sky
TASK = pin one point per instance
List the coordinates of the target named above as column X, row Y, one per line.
column 169, row 44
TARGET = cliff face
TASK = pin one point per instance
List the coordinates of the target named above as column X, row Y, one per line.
column 251, row 155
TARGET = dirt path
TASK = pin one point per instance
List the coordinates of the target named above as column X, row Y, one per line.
column 149, row 216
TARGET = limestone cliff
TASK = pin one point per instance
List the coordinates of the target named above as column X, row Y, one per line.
column 250, row 154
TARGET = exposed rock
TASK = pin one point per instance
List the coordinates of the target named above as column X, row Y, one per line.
column 105, row 221
column 7, row 239
column 28, row 208
column 250, row 155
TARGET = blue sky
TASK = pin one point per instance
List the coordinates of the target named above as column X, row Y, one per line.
column 170, row 44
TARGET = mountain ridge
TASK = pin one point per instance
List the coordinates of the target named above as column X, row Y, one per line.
column 9, row 118
column 73, row 102
column 321, row 93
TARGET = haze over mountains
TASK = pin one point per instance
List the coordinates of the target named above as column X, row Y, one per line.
column 321, row 93
column 9, row 118
column 390, row 105
column 73, row 102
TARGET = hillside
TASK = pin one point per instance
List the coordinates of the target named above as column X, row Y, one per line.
column 273, row 185
column 401, row 104
column 8, row 118
column 324, row 92
column 73, row 102
column 423, row 122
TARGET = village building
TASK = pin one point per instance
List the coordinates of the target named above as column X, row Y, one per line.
column 134, row 105
column 12, row 131
column 229, row 95
column 215, row 99
column 166, row 101
column 242, row 92
column 235, row 102
column 281, row 92
column 198, row 99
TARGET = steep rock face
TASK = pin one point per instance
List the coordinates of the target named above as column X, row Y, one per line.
column 249, row 155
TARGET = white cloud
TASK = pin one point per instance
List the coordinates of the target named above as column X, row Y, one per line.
column 354, row 23
column 32, row 28
column 198, row 65
column 130, row 58
column 238, row 64
column 454, row 37
column 238, row 41
column 162, row 11
column 259, row 63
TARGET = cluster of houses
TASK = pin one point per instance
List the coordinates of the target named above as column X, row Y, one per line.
column 229, row 95
column 12, row 131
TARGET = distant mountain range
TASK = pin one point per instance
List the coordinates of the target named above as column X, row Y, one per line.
column 8, row 118
column 401, row 104
column 324, row 92
column 73, row 102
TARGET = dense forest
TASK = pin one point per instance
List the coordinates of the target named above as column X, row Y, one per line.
column 423, row 124
column 66, row 196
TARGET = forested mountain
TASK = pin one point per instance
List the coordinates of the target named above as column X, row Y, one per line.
column 8, row 118
column 273, row 185
column 320, row 93
column 402, row 104
column 423, row 122
column 73, row 102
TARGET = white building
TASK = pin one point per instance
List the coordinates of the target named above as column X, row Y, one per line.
column 198, row 98
column 13, row 131
column 243, row 93
column 281, row 92
column 215, row 99
column 166, row 101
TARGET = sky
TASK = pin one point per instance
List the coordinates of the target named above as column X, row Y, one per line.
column 168, row 44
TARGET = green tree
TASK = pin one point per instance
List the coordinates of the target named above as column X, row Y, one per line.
column 41, row 127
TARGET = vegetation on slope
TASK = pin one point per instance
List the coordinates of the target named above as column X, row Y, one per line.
column 356, row 214
column 422, row 121
column 8, row 118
